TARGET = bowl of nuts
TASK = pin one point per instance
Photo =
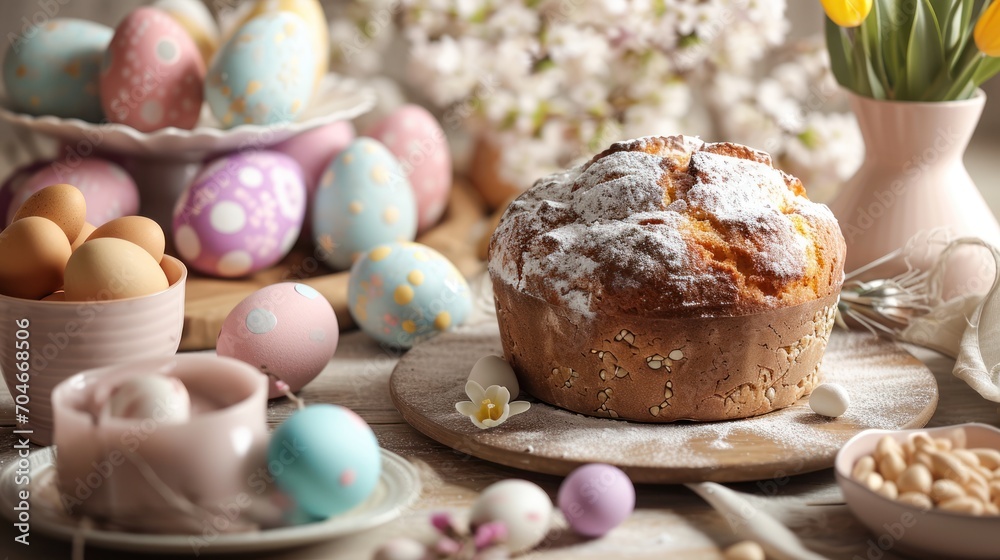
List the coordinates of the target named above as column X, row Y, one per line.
column 929, row 492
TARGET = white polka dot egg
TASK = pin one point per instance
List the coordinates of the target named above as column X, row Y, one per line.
column 364, row 200
column 241, row 214
column 153, row 75
column 403, row 293
column 286, row 330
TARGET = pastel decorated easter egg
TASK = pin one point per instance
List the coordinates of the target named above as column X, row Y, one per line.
column 311, row 12
column 286, row 330
column 326, row 458
column 523, row 508
column 54, row 71
column 153, row 75
column 109, row 191
column 242, row 213
column 162, row 398
column 596, row 498
column 403, row 293
column 194, row 17
column 264, row 73
column 364, row 200
column 414, row 136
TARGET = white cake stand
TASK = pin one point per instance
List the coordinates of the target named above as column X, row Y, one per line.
column 163, row 162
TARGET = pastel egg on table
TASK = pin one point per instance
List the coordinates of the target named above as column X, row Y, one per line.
column 287, row 330
column 108, row 189
column 242, row 213
column 414, row 136
column 364, row 200
column 403, row 293
column 153, row 75
column 263, row 74
column 55, row 71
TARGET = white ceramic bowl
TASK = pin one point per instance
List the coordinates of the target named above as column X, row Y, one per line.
column 901, row 527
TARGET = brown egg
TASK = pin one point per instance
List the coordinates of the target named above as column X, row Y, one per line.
column 112, row 268
column 88, row 229
column 63, row 204
column 33, row 255
column 139, row 230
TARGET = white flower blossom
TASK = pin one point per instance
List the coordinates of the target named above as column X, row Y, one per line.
column 489, row 407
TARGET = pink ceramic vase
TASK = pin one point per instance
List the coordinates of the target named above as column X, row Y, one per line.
column 913, row 180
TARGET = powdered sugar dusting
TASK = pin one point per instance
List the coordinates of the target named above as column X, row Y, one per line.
column 631, row 216
column 889, row 390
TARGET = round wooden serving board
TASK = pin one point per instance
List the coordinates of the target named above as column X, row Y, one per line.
column 209, row 300
column 889, row 389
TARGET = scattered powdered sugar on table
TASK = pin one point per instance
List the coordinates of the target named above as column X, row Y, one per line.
column 889, row 389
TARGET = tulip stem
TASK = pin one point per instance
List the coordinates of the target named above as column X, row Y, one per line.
column 964, row 77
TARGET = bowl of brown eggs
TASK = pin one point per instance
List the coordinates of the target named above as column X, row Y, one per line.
column 931, row 493
column 75, row 297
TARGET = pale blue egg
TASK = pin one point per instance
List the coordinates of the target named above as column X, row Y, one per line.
column 326, row 458
column 53, row 68
column 364, row 200
column 403, row 293
column 265, row 74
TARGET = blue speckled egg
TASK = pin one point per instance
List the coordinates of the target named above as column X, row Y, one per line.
column 264, row 74
column 326, row 458
column 54, row 70
column 403, row 293
column 364, row 200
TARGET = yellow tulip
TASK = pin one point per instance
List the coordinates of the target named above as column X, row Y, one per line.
column 987, row 32
column 847, row 13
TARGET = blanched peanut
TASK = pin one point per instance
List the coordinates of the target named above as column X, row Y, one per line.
column 944, row 465
column 874, row 481
column 978, row 491
column 995, row 488
column 923, row 458
column 916, row 499
column 944, row 490
column 888, row 490
column 968, row 505
column 864, row 467
column 916, row 478
column 891, row 465
column 922, row 441
column 987, row 474
column 745, row 550
column 888, row 445
column 908, row 450
column 969, row 458
column 989, row 458
column 989, row 508
column 943, row 444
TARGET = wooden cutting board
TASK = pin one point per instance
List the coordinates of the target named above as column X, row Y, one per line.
column 209, row 300
column 889, row 389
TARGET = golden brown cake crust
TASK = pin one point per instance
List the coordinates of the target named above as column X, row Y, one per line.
column 670, row 227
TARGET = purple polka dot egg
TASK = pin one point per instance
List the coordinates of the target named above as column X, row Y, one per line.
column 241, row 214
column 404, row 293
column 286, row 330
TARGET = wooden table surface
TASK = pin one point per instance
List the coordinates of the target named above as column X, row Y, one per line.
column 670, row 521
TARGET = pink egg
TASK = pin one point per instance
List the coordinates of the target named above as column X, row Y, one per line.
column 109, row 191
column 287, row 330
column 596, row 498
column 153, row 74
column 418, row 142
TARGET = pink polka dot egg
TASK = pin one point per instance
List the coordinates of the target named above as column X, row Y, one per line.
column 241, row 214
column 286, row 330
column 326, row 458
column 404, row 293
column 153, row 75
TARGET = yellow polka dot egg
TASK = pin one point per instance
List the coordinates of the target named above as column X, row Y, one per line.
column 364, row 200
column 404, row 293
